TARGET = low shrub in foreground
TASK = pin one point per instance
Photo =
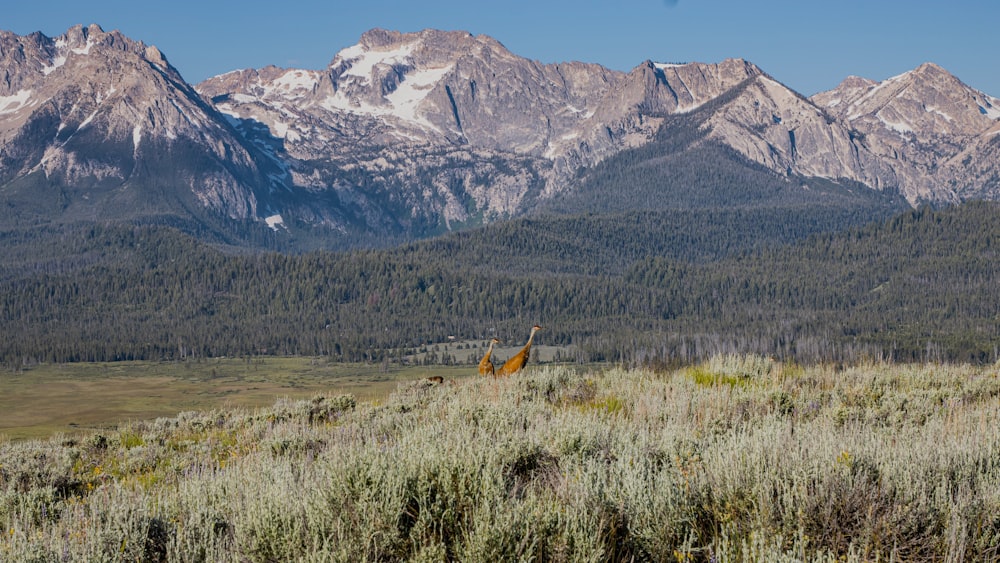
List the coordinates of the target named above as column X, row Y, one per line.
column 732, row 460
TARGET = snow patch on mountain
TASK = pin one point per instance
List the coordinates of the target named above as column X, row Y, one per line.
column 990, row 108
column 413, row 89
column 12, row 104
column 938, row 111
column 85, row 50
column 402, row 103
column 282, row 130
column 88, row 120
column 898, row 126
column 57, row 61
column 296, row 83
column 361, row 61
column 275, row 221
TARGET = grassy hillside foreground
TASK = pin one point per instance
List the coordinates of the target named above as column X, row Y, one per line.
column 736, row 459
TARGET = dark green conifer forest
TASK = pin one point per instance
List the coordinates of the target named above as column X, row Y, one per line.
column 633, row 287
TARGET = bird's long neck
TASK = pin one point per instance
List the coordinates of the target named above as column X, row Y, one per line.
column 530, row 338
column 490, row 350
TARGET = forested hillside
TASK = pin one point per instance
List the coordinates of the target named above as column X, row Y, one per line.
column 636, row 287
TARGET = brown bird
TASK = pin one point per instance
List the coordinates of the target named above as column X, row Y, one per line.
column 519, row 360
column 485, row 365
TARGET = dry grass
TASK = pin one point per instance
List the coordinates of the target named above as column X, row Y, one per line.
column 70, row 398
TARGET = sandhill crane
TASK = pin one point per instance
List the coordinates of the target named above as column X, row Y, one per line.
column 436, row 379
column 485, row 365
column 519, row 360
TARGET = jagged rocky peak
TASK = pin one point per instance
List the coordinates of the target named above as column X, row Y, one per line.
column 31, row 59
column 97, row 111
column 78, row 35
column 927, row 100
column 155, row 56
column 729, row 71
column 976, row 110
column 138, row 72
column 932, row 71
column 841, row 97
column 264, row 83
column 926, row 125
column 454, row 87
column 384, row 40
column 380, row 47
column 22, row 59
column 80, row 40
column 383, row 59
column 663, row 88
column 28, row 59
column 431, row 45
column 773, row 125
column 696, row 83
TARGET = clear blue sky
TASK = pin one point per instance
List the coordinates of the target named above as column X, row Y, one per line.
column 810, row 45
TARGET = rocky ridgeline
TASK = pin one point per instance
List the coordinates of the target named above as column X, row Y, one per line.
column 405, row 132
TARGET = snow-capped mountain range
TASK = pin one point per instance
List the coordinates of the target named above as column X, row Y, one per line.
column 412, row 132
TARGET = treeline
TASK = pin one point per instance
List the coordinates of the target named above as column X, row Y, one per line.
column 636, row 288
column 919, row 287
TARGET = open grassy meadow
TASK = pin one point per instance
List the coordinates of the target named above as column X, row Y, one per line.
column 736, row 459
column 45, row 399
